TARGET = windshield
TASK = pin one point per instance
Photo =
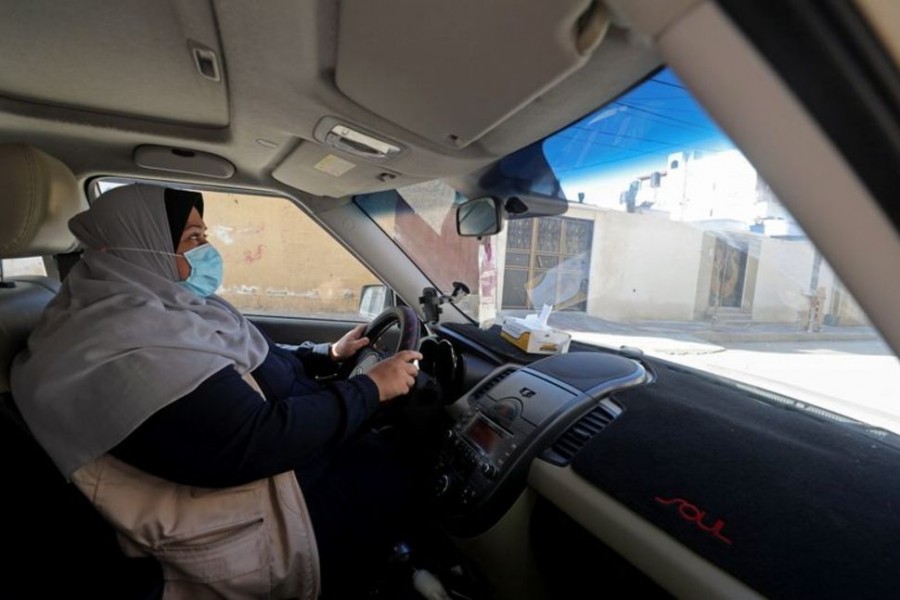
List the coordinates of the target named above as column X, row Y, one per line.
column 666, row 239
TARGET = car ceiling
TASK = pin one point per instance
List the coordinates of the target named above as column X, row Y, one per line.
column 260, row 84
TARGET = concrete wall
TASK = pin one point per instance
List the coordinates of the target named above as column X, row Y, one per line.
column 644, row 267
column 848, row 311
column 277, row 260
column 839, row 303
column 782, row 280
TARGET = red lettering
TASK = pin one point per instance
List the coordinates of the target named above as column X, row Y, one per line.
column 689, row 512
column 692, row 514
column 715, row 530
column 672, row 501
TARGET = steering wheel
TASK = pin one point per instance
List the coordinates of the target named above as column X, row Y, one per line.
column 410, row 328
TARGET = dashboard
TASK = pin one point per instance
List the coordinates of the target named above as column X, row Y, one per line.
column 690, row 483
column 550, row 469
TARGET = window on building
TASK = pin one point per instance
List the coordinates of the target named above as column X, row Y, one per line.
column 548, row 262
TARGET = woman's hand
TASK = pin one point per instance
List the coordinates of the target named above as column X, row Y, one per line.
column 349, row 345
column 396, row 375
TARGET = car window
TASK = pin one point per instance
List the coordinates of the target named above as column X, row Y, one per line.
column 32, row 265
column 278, row 261
column 421, row 219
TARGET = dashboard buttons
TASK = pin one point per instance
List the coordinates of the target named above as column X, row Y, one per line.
column 505, row 411
column 442, row 484
column 488, row 470
column 467, row 495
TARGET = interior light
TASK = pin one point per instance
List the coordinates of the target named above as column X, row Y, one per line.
column 358, row 143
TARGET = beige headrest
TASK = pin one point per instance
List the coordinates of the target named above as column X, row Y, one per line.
column 38, row 196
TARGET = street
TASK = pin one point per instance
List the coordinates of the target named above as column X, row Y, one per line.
column 860, row 379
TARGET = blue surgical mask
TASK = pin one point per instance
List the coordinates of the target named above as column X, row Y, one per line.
column 206, row 270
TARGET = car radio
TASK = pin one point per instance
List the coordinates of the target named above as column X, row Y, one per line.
column 512, row 415
column 501, row 416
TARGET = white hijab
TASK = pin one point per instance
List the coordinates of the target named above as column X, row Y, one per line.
column 123, row 338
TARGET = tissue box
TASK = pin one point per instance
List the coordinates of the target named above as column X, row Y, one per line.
column 534, row 340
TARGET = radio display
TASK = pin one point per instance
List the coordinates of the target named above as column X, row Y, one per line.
column 483, row 435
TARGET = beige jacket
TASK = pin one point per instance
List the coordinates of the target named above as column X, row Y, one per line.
column 251, row 541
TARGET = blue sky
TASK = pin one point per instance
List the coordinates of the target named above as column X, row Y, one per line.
column 631, row 136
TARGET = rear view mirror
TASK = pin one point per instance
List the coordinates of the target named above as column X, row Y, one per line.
column 479, row 217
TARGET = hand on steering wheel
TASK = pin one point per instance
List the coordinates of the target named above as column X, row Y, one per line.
column 391, row 369
column 349, row 344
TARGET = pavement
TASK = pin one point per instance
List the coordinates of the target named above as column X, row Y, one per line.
column 695, row 337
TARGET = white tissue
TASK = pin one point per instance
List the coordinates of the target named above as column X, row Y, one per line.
column 539, row 321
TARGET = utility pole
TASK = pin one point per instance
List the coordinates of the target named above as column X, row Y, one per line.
column 812, row 321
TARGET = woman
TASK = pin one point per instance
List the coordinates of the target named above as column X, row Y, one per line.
column 189, row 429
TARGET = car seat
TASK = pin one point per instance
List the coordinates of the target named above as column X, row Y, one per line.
column 57, row 543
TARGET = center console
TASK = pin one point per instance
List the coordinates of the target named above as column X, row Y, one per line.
column 505, row 421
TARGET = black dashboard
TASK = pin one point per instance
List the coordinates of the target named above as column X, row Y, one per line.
column 744, row 478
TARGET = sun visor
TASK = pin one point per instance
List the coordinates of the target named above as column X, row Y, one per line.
column 158, row 60
column 440, row 70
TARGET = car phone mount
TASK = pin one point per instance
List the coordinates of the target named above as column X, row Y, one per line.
column 431, row 300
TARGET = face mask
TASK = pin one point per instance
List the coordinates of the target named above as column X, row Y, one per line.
column 206, row 270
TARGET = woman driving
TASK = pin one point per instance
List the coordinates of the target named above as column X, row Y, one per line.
column 191, row 431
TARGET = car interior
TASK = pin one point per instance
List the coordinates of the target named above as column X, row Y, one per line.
column 586, row 470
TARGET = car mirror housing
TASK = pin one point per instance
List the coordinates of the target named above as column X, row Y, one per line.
column 479, row 217
column 372, row 301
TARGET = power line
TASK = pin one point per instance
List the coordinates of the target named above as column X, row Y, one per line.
column 693, row 144
column 665, row 117
column 674, row 85
column 603, row 162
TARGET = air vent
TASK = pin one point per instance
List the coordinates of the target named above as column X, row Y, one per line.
column 583, row 431
column 481, row 391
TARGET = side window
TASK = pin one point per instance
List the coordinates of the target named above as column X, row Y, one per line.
column 278, row 261
column 23, row 266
